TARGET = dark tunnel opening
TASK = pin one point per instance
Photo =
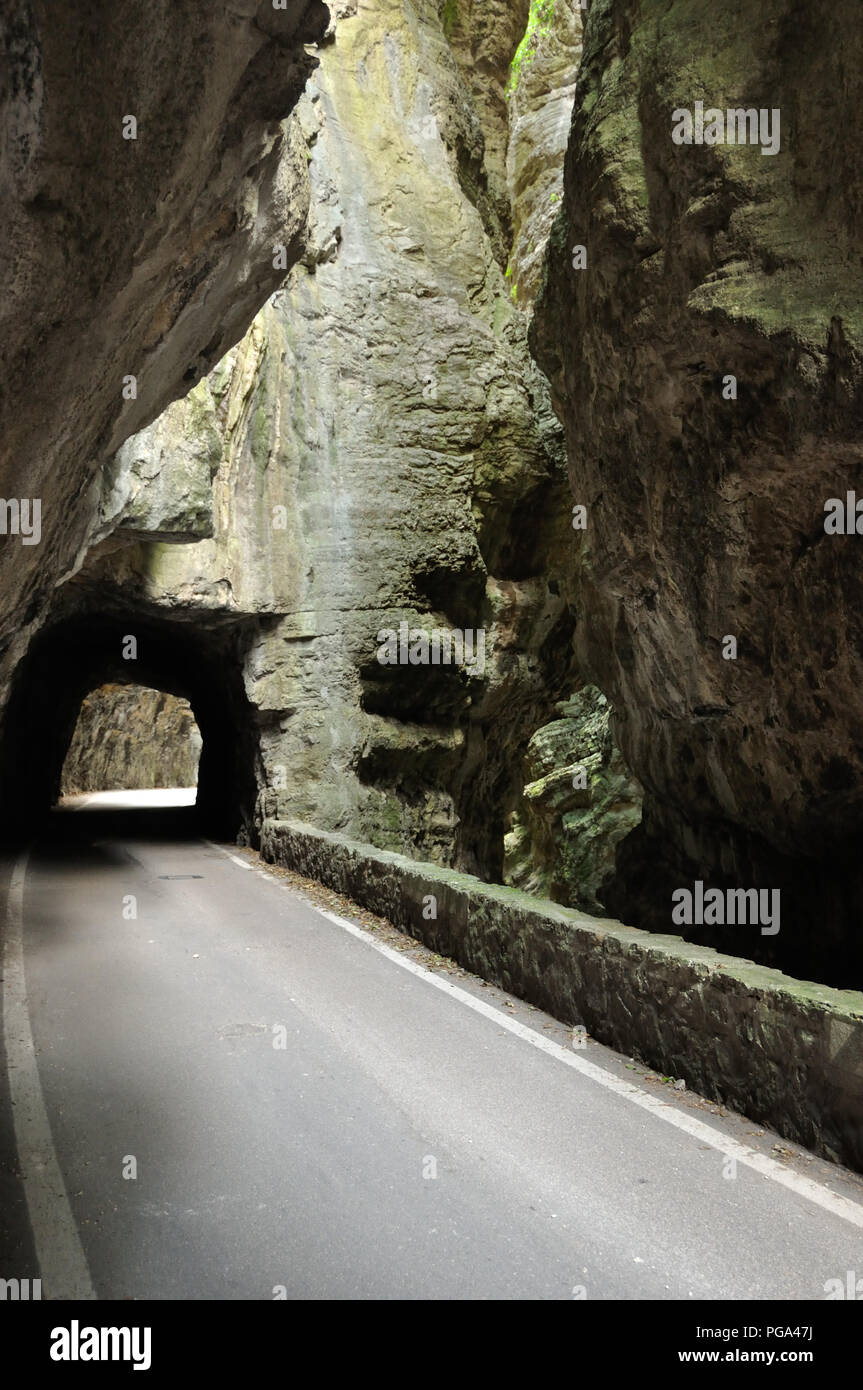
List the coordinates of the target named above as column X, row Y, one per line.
column 73, row 656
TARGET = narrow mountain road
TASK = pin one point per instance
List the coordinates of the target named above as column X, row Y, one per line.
column 247, row 1098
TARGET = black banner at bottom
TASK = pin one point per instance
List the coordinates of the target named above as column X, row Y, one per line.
column 160, row 1339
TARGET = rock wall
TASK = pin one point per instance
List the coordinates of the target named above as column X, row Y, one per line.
column 562, row 840
column 706, row 497
column 385, row 453
column 129, row 265
column 540, row 94
column 128, row 737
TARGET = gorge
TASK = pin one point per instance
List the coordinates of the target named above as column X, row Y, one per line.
column 375, row 375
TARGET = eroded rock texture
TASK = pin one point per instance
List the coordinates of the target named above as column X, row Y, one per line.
column 142, row 257
column 128, row 736
column 386, row 453
column 378, row 450
column 484, row 36
column 540, row 95
column 705, row 513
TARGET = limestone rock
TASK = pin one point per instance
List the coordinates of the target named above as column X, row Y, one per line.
column 540, row 98
column 121, row 257
column 159, row 484
column 706, row 512
column 129, row 737
column 484, row 36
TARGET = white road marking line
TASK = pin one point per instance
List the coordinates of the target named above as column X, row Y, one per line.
column 767, row 1167
column 697, row 1129
column 62, row 1262
column 235, row 858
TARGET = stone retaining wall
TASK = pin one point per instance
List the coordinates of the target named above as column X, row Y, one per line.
column 786, row 1052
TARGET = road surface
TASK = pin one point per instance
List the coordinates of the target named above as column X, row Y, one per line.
column 222, row 1093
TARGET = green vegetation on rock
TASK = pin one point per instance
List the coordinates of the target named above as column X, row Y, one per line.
column 564, row 836
column 538, row 27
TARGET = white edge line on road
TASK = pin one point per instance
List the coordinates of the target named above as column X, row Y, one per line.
column 62, row 1262
column 767, row 1167
column 234, row 858
column 697, row 1129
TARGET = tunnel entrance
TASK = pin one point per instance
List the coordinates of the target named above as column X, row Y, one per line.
column 132, row 738
column 168, row 655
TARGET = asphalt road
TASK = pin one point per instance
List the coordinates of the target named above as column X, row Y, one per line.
column 232, row 1095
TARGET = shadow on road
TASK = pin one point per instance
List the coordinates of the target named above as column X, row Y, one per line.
column 105, row 817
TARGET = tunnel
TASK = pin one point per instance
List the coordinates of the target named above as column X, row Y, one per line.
column 74, row 655
column 132, row 737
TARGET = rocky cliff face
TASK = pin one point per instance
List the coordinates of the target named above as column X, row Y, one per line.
column 707, row 365
column 385, row 454
column 378, row 451
column 563, row 839
column 540, row 93
column 146, row 172
column 128, row 736
column 379, row 454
